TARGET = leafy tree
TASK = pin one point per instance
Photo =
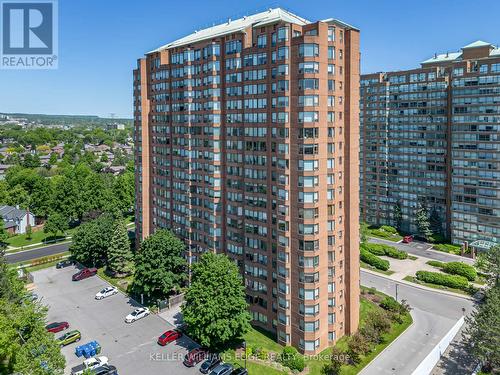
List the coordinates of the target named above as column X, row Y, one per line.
column 422, row 220
column 55, row 223
column 65, row 198
column 488, row 262
column 338, row 359
column 31, row 161
column 216, row 310
column 119, row 254
column 29, row 232
column 40, row 202
column 124, row 192
column 3, row 235
column 292, row 359
column 363, row 232
column 435, row 222
column 482, row 332
column 357, row 346
column 53, row 159
column 398, row 216
column 18, row 196
column 159, row 266
column 91, row 241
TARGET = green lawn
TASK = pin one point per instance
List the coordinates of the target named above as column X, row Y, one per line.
column 380, row 233
column 36, row 237
column 369, row 267
column 436, row 286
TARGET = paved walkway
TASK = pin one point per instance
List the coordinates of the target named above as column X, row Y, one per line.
column 408, row 267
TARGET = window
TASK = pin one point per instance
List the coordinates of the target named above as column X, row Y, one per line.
column 309, row 294
column 309, row 197
column 233, row 46
column 309, row 100
column 305, row 117
column 495, row 68
column 282, row 34
column 331, row 52
column 457, row 72
column 308, row 181
column 308, row 165
column 308, row 50
column 309, row 326
column 331, row 69
column 262, row 41
column 309, row 67
column 308, row 84
column 308, row 229
column 309, row 345
column 331, row 34
column 308, row 309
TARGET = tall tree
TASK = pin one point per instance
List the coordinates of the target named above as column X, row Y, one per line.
column 160, row 267
column 482, row 331
column 363, row 232
column 3, row 235
column 398, row 216
column 124, row 192
column 119, row 254
column 422, row 220
column 488, row 262
column 435, row 221
column 215, row 310
column 41, row 197
column 91, row 241
column 55, row 223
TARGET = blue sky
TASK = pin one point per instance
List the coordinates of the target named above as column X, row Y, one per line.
column 100, row 41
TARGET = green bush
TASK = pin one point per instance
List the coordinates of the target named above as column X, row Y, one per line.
column 382, row 249
column 292, row 359
column 389, row 229
column 381, row 233
column 451, row 281
column 374, row 260
column 462, row 269
column 263, row 354
column 447, row 248
column 390, row 304
column 436, row 263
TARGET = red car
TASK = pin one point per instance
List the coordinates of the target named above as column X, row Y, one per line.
column 57, row 327
column 168, row 337
column 407, row 239
column 194, row 357
column 83, row 274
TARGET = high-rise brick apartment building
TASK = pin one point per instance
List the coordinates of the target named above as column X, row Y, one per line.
column 247, row 144
column 433, row 134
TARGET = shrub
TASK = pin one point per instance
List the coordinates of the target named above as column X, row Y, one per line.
column 462, row 269
column 292, row 359
column 389, row 229
column 447, row 248
column 390, row 304
column 263, row 354
column 381, row 233
column 381, row 249
column 436, row 263
column 374, row 260
column 451, row 281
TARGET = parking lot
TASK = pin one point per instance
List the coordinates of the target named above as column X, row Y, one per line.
column 132, row 348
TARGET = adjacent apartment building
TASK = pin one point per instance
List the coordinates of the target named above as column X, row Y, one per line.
column 247, row 138
column 432, row 134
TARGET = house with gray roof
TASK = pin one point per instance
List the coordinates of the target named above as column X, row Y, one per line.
column 16, row 219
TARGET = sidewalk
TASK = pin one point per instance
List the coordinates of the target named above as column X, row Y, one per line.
column 14, row 249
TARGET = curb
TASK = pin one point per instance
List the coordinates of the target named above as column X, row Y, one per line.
column 423, row 287
column 36, row 248
column 388, row 346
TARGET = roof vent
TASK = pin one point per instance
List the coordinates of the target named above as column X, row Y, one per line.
column 447, row 54
column 229, row 21
column 270, row 10
column 435, row 55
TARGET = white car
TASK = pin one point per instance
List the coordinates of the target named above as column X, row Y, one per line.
column 137, row 314
column 106, row 292
column 89, row 364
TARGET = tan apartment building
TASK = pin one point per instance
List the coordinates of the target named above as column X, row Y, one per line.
column 432, row 134
column 247, row 143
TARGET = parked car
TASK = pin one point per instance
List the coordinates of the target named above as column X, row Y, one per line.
column 224, row 369
column 240, row 371
column 105, row 370
column 106, row 292
column 210, row 363
column 64, row 263
column 83, row 274
column 194, row 357
column 407, row 239
column 90, row 364
column 57, row 327
column 137, row 314
column 168, row 337
column 69, row 337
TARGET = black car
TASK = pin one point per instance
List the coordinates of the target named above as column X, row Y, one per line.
column 105, row 370
column 212, row 361
column 239, row 371
column 64, row 263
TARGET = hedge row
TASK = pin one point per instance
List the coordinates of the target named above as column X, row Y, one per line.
column 451, row 281
column 436, row 263
column 381, row 249
column 374, row 260
column 462, row 269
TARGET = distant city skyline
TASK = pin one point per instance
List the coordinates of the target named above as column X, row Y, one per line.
column 100, row 42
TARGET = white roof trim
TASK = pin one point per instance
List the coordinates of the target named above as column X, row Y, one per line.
column 255, row 20
column 477, row 43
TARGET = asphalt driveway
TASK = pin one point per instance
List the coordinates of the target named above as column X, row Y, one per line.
column 132, row 348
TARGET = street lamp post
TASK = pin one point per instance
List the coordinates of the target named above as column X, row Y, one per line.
column 245, row 351
column 396, row 292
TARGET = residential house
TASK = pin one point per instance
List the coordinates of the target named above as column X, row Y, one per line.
column 15, row 219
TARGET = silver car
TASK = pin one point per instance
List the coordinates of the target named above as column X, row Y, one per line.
column 223, row 369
